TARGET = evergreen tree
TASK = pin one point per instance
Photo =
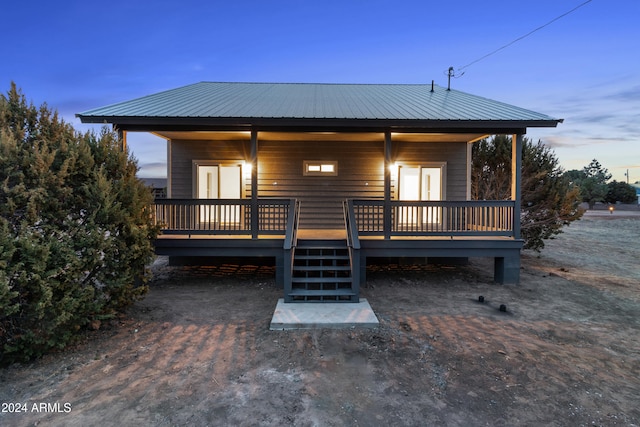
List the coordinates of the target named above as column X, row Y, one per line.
column 75, row 229
column 592, row 181
column 618, row 191
column 548, row 200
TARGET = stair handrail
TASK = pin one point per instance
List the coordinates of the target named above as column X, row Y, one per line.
column 353, row 246
column 353, row 240
column 291, row 234
column 289, row 246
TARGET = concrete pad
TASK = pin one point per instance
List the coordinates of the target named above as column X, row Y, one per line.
column 310, row 315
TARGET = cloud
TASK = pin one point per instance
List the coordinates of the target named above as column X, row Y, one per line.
column 575, row 140
column 152, row 170
column 608, row 140
column 557, row 141
column 631, row 94
column 631, row 166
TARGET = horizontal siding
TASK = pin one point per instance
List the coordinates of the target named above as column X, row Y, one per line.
column 280, row 171
column 360, row 175
column 454, row 154
column 185, row 152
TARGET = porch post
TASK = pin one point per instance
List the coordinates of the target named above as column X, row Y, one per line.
column 387, row 185
column 122, row 135
column 253, row 159
column 516, row 181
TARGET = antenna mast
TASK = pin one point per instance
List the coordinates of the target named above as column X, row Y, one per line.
column 451, row 73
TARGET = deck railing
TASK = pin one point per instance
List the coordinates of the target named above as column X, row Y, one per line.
column 434, row 218
column 222, row 216
column 363, row 217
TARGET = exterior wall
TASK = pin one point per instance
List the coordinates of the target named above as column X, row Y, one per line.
column 185, row 152
column 280, row 171
column 360, row 175
column 454, row 154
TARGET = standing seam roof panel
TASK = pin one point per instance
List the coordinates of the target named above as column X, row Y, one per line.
column 316, row 101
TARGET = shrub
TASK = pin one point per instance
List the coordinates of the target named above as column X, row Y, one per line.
column 549, row 201
column 75, row 229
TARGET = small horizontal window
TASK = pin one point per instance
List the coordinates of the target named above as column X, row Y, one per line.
column 320, row 168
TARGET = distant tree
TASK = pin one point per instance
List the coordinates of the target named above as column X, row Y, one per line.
column 592, row 181
column 618, row 191
column 575, row 176
column 549, row 202
column 75, row 229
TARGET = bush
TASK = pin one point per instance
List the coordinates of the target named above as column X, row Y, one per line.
column 549, row 201
column 75, row 229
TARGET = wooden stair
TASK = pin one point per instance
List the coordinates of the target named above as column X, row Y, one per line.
column 321, row 272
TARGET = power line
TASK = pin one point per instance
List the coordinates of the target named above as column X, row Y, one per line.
column 524, row 36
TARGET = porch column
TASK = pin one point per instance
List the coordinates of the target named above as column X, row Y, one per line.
column 387, row 185
column 516, row 180
column 253, row 159
column 122, row 135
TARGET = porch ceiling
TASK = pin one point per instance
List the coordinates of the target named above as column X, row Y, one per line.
column 321, row 136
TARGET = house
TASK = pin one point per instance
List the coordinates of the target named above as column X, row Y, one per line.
column 323, row 177
column 636, row 186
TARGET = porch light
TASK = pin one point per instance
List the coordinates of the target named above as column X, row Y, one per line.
column 393, row 168
column 246, row 170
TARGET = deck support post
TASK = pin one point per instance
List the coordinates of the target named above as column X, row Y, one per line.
column 253, row 159
column 282, row 267
column 387, row 185
column 507, row 270
column 516, row 181
column 363, row 269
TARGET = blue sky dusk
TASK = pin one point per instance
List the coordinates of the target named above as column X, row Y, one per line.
column 572, row 59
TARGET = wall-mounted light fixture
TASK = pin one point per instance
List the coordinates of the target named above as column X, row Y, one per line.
column 246, row 170
column 393, row 169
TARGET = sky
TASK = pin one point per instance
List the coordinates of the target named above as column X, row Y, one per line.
column 583, row 67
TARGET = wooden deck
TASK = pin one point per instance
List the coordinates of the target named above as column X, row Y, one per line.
column 372, row 229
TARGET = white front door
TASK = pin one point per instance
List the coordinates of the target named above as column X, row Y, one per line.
column 219, row 182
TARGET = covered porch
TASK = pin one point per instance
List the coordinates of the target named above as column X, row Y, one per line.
column 321, row 240
column 330, row 264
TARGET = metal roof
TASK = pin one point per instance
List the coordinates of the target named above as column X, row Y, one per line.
column 265, row 103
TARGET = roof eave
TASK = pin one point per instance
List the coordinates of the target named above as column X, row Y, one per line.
column 245, row 123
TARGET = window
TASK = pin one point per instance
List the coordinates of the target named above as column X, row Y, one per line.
column 218, row 181
column 320, row 168
column 421, row 183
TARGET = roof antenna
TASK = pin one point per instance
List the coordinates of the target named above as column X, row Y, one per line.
column 451, row 73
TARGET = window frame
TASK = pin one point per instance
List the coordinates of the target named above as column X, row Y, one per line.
column 319, row 164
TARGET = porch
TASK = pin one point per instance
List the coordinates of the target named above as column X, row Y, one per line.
column 330, row 264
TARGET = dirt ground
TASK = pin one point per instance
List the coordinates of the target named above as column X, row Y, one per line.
column 197, row 351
